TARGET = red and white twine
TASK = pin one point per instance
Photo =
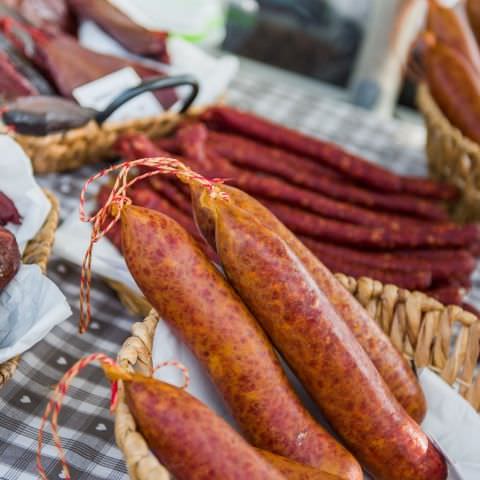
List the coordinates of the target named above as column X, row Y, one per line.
column 102, row 221
column 55, row 404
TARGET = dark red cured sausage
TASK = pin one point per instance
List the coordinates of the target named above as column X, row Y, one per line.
column 303, row 222
column 461, row 257
column 259, row 157
column 455, row 86
column 186, row 436
column 70, row 65
column 9, row 257
column 174, row 193
column 447, row 295
column 424, row 187
column 351, row 166
column 8, row 211
column 12, row 83
column 131, row 35
column 192, row 141
column 195, row 299
column 440, row 269
column 169, row 144
column 411, row 280
column 321, row 349
column 230, row 119
column 243, row 151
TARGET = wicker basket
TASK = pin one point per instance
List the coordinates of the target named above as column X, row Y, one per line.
column 94, row 141
column 69, row 150
column 37, row 252
column 452, row 157
column 420, row 326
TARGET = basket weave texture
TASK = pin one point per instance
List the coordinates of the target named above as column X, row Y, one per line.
column 418, row 325
column 91, row 143
column 452, row 157
column 37, row 252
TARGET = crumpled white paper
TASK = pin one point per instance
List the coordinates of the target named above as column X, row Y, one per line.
column 27, row 318
column 214, row 74
column 31, row 304
column 18, row 183
column 71, row 243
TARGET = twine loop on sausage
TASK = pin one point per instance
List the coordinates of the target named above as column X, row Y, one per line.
column 55, row 404
column 180, row 366
column 107, row 216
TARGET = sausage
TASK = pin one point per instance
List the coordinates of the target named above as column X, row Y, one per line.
column 8, row 211
column 352, row 166
column 192, row 144
column 441, row 269
column 186, row 436
column 301, row 221
column 419, row 280
column 449, row 295
column 195, row 299
column 248, row 154
column 388, row 360
column 455, row 86
column 168, row 144
column 142, row 195
column 432, row 189
column 171, row 191
column 293, row 470
column 462, row 258
column 473, row 14
column 9, row 257
column 320, row 348
column 451, row 28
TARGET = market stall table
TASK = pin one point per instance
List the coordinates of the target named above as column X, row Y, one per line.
column 86, row 423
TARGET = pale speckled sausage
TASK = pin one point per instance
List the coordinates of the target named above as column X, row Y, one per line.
column 389, row 362
column 197, row 302
column 189, row 439
column 321, row 349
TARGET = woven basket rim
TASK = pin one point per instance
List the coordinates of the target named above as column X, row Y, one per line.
column 136, row 355
column 37, row 252
column 70, row 149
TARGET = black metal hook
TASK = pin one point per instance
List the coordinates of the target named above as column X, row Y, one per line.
column 156, row 83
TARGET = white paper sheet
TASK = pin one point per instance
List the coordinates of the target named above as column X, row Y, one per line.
column 18, row 183
column 71, row 243
column 31, row 304
column 25, row 318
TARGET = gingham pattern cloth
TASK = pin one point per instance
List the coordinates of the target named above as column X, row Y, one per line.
column 86, row 424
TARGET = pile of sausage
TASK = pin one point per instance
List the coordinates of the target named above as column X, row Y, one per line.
column 450, row 58
column 275, row 293
column 9, row 252
column 356, row 217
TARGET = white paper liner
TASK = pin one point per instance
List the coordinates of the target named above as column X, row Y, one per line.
column 30, row 307
column 18, row 183
column 31, row 304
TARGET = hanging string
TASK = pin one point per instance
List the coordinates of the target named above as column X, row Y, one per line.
column 54, row 406
column 107, row 216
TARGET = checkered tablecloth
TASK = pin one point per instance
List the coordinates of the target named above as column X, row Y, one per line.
column 86, row 424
